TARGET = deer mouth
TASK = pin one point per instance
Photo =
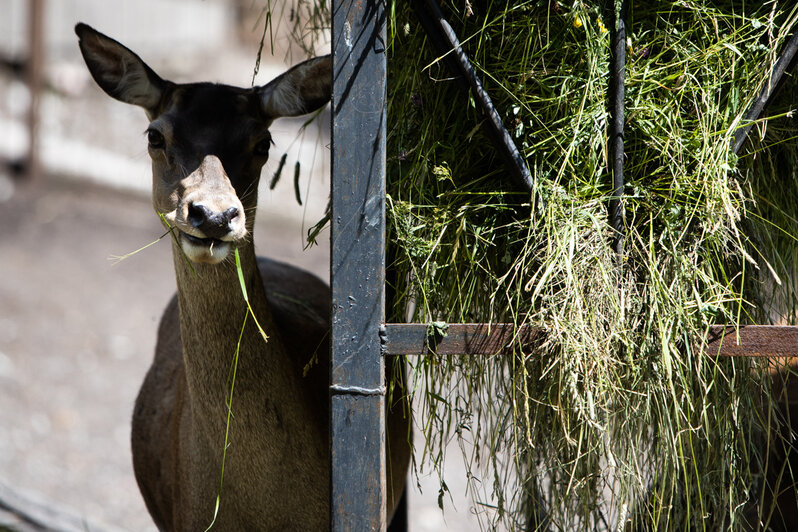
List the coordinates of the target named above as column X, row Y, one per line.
column 208, row 250
column 197, row 241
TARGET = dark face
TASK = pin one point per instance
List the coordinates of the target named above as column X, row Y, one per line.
column 207, row 148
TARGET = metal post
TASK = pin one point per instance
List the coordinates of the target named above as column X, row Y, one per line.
column 33, row 76
column 616, row 107
column 357, row 444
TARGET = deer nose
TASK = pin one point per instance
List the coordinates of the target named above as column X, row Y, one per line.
column 213, row 224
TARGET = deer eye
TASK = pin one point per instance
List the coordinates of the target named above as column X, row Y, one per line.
column 262, row 147
column 155, row 139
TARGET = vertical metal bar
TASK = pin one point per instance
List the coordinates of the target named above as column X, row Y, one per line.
column 35, row 65
column 357, row 266
column 616, row 107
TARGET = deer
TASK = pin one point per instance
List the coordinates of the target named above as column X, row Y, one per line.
column 208, row 143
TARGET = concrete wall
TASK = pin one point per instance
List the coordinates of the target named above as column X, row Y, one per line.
column 86, row 135
column 147, row 25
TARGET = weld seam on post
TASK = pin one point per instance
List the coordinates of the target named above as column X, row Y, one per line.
column 339, row 389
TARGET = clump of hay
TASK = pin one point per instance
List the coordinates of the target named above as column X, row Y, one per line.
column 618, row 415
column 618, row 418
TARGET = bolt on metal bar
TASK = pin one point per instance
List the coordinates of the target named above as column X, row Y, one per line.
column 357, row 236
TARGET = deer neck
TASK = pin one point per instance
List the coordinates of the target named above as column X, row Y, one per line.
column 212, row 315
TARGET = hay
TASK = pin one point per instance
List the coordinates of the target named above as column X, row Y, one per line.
column 618, row 418
column 617, row 415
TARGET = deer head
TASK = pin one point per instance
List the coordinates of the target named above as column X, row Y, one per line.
column 208, row 142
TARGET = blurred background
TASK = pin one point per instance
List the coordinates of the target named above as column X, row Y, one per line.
column 77, row 328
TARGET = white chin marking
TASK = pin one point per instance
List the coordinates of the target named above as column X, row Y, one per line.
column 209, row 254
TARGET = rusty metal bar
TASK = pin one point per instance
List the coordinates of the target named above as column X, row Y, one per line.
column 459, row 339
column 753, row 341
column 485, row 339
column 35, row 67
column 357, row 254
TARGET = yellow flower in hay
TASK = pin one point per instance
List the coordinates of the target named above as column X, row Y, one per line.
column 577, row 22
column 601, row 26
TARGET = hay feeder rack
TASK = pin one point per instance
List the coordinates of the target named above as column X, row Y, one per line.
column 360, row 337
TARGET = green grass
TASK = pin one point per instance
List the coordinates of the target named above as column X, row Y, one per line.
column 618, row 416
column 618, row 404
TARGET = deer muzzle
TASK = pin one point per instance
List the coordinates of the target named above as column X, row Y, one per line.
column 209, row 217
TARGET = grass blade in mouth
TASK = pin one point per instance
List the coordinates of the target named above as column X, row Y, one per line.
column 232, row 379
column 116, row 259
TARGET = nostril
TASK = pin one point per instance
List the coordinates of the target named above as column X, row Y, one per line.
column 198, row 214
column 231, row 214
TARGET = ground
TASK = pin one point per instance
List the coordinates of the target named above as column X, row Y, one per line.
column 76, row 335
column 77, row 332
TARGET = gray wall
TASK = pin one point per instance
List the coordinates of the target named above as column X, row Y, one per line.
column 147, row 25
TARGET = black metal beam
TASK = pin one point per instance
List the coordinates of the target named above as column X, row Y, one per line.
column 445, row 41
column 357, row 444
column 765, row 95
column 617, row 116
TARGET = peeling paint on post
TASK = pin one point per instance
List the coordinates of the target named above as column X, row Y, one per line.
column 357, row 444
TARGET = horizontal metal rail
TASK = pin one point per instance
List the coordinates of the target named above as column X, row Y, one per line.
column 486, row 339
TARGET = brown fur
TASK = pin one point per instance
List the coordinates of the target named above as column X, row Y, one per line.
column 206, row 143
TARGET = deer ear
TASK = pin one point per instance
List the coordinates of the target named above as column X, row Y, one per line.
column 118, row 71
column 303, row 89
